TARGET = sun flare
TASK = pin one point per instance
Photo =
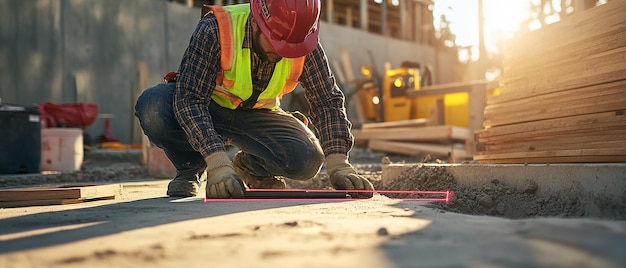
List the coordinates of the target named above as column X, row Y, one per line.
column 501, row 20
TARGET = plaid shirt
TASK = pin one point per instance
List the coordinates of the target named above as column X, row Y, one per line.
column 196, row 80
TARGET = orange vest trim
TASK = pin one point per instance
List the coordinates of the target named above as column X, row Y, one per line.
column 233, row 99
column 226, row 36
column 296, row 70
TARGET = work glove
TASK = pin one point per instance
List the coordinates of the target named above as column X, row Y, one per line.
column 222, row 180
column 344, row 177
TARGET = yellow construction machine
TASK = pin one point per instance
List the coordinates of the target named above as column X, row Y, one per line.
column 385, row 99
column 390, row 97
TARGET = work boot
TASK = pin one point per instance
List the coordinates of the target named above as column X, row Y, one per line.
column 184, row 185
column 253, row 181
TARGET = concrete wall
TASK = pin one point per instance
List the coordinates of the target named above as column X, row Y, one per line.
column 87, row 51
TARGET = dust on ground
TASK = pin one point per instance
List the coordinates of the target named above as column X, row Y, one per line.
column 495, row 199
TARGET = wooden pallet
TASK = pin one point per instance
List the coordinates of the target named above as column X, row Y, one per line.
column 57, row 195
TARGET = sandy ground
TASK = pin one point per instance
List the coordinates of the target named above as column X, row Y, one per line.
column 143, row 228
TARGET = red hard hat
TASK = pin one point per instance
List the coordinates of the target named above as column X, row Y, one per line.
column 291, row 26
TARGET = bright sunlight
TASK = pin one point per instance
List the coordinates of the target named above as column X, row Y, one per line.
column 502, row 20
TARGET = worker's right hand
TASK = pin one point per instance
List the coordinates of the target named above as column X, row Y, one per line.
column 343, row 176
column 222, row 180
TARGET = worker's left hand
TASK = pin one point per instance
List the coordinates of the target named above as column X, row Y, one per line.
column 343, row 176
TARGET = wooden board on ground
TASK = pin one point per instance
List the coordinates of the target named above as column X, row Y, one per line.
column 57, row 195
column 430, row 133
column 455, row 151
column 420, row 122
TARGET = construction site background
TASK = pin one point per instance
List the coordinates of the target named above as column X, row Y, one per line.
column 93, row 51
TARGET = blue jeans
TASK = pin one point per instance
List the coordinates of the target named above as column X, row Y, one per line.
column 273, row 143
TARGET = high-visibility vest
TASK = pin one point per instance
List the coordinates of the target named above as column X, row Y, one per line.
column 234, row 82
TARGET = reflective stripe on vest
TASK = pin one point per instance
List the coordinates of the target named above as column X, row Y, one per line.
column 234, row 85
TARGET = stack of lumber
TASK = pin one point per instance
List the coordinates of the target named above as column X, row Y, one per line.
column 563, row 93
column 57, row 195
column 414, row 137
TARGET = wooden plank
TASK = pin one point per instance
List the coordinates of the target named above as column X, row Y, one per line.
column 578, row 122
column 537, row 136
column 61, row 192
column 407, row 148
column 599, row 70
column 557, row 56
column 429, row 133
column 556, row 110
column 556, row 98
column 555, row 153
column 551, row 140
column 98, row 191
column 571, row 143
column 589, row 122
column 45, row 202
column 448, row 88
column 548, row 82
column 420, row 122
column 574, row 110
column 559, row 159
column 565, row 66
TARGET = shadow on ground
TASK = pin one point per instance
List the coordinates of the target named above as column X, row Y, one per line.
column 114, row 218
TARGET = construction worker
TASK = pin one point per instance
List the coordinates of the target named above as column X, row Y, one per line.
column 240, row 61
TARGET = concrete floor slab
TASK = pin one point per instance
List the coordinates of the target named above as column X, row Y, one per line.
column 145, row 228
